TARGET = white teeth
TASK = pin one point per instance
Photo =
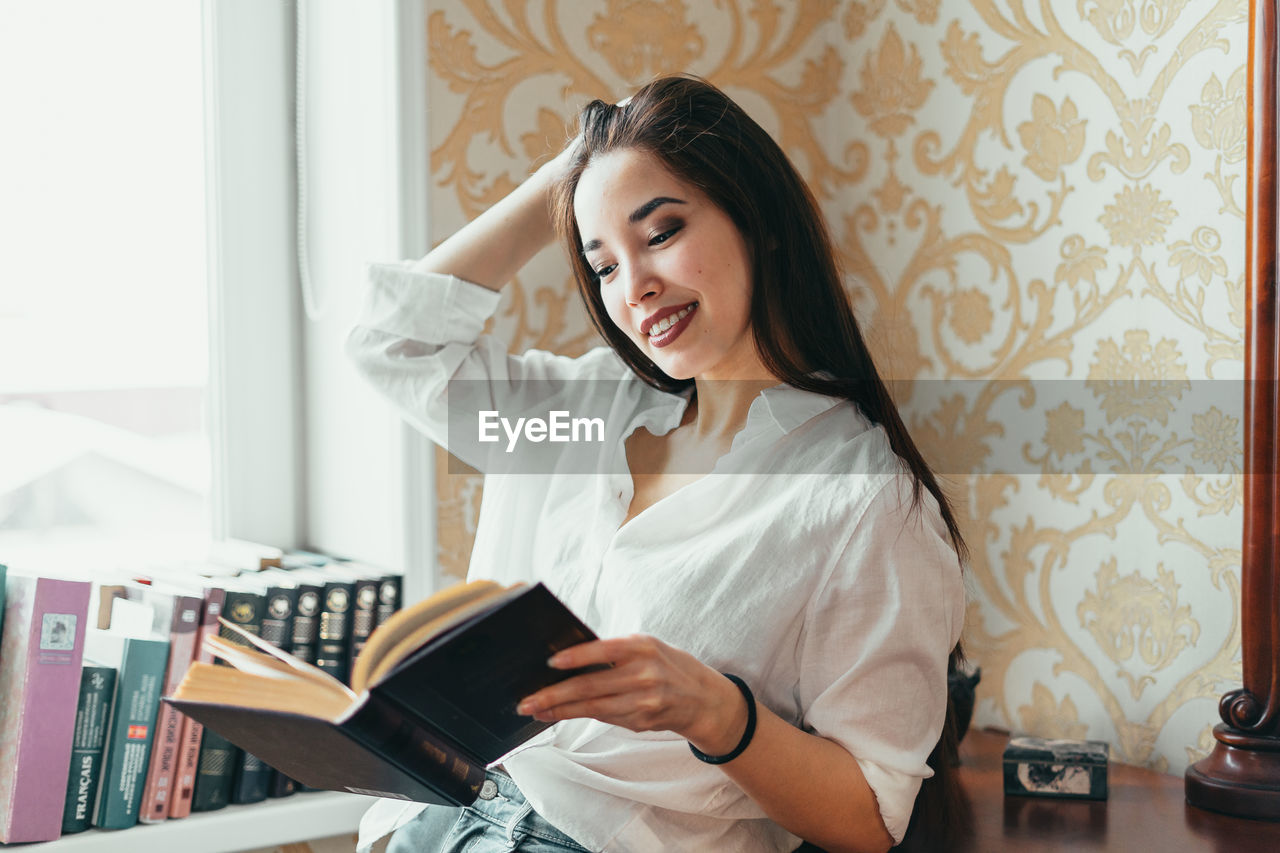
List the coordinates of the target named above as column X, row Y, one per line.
column 670, row 320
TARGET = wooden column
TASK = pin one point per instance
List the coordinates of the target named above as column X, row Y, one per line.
column 1242, row 774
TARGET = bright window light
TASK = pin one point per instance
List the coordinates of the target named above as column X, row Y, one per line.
column 103, row 306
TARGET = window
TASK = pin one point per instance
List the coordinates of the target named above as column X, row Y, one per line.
column 104, row 319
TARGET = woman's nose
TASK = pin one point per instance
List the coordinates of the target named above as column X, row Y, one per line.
column 641, row 283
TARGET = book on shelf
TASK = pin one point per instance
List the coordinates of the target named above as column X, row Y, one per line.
column 245, row 607
column 41, row 651
column 431, row 703
column 97, row 692
column 192, row 734
column 214, row 772
column 390, row 590
column 364, row 613
column 277, row 629
column 305, row 634
column 177, row 615
column 139, row 658
column 333, row 640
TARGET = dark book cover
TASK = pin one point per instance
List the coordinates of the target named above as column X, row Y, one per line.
column 364, row 615
column 192, row 736
column 277, row 620
column 306, row 620
column 251, row 779
column 333, row 653
column 277, row 629
column 305, row 635
column 372, row 751
column 97, row 689
column 250, row 776
column 214, row 772
column 141, row 664
column 389, row 593
column 426, row 731
column 466, row 682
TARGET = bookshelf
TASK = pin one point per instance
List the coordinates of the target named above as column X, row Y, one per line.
column 301, row 817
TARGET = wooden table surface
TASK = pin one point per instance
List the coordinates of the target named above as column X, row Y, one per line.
column 1145, row 811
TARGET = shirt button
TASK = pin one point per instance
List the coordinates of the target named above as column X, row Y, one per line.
column 488, row 790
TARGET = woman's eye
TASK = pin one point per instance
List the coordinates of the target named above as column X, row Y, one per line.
column 659, row 239
column 605, row 270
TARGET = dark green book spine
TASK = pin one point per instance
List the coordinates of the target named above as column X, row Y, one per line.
column 277, row 629
column 4, row 570
column 306, row 622
column 214, row 773
column 250, row 776
column 215, row 755
column 364, row 616
column 332, row 653
column 388, row 597
column 277, row 622
column 306, row 627
column 97, row 688
column 252, row 779
column 129, row 736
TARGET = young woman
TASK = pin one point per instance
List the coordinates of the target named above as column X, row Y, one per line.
column 771, row 565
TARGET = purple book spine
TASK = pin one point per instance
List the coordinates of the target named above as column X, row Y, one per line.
column 39, row 672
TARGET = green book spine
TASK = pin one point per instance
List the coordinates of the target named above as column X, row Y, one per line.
column 333, row 649
column 277, row 629
column 214, row 774
column 306, row 621
column 388, row 597
column 364, row 616
column 250, row 777
column 97, row 688
column 4, row 570
column 130, row 733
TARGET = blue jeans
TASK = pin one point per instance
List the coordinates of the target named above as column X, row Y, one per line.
column 500, row 820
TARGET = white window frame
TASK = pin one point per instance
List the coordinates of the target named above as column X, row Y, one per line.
column 254, row 376
column 263, row 425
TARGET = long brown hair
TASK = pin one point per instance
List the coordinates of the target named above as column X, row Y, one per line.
column 801, row 318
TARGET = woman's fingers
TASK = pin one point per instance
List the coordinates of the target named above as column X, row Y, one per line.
column 615, row 650
column 648, row 686
column 626, row 696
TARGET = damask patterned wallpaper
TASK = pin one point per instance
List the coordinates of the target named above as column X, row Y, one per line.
column 1039, row 202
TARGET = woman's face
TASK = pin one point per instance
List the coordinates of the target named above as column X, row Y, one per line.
column 674, row 272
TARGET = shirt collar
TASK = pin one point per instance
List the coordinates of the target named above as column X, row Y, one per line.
column 791, row 407
column 787, row 406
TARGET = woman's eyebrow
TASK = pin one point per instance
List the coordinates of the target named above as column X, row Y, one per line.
column 650, row 206
column 637, row 215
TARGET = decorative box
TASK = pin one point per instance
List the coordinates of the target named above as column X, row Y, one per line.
column 1038, row 767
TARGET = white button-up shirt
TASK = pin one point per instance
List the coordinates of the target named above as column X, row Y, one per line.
column 799, row 563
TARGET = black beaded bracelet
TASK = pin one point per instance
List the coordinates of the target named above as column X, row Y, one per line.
column 746, row 735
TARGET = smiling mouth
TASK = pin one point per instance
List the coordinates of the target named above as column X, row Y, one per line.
column 669, row 328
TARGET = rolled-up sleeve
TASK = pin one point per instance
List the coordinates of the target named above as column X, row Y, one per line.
column 876, row 640
column 419, row 333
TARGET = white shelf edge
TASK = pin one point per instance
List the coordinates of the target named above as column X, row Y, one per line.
column 301, row 817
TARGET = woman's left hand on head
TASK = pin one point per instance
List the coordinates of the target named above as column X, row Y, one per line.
column 650, row 686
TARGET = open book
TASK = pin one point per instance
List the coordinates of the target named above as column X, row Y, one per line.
column 431, row 702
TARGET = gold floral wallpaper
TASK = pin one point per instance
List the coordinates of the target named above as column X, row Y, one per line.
column 1038, row 201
